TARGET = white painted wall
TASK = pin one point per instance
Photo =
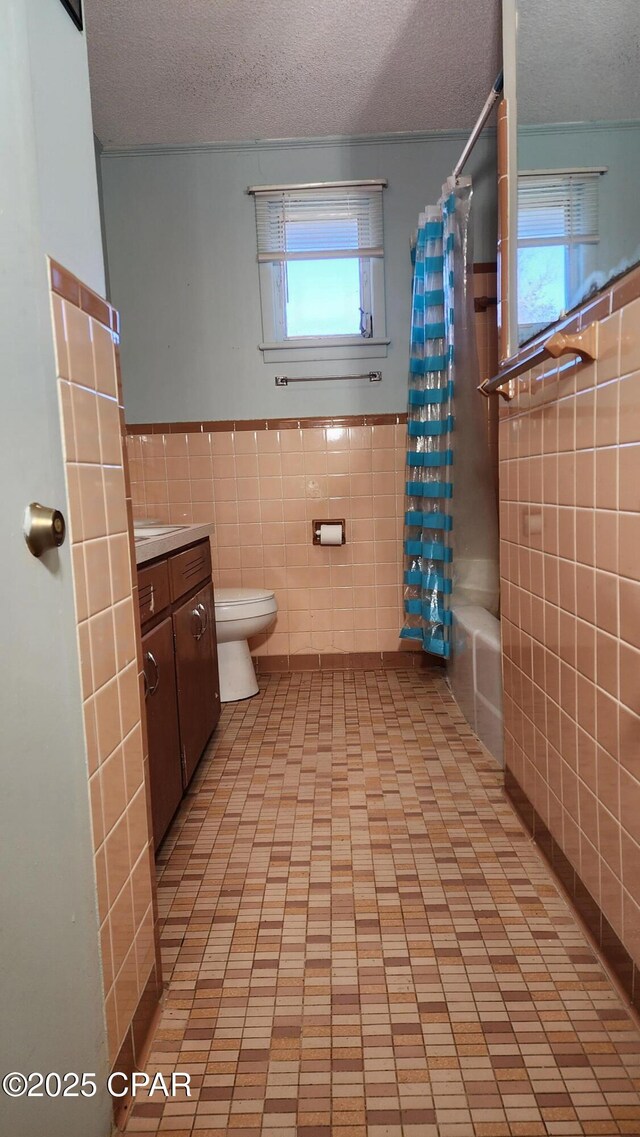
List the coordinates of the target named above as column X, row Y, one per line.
column 61, row 125
column 51, row 989
column 182, row 267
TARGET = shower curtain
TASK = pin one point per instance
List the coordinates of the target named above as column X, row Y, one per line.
column 443, row 364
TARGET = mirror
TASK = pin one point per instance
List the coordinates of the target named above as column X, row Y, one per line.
column 577, row 71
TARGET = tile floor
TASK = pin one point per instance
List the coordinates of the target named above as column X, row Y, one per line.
column 360, row 940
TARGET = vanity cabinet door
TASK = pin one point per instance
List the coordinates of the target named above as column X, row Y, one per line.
column 161, row 705
column 197, row 673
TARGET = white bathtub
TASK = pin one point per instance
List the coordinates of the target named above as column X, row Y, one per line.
column 475, row 672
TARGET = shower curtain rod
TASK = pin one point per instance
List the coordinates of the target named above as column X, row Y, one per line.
column 495, row 94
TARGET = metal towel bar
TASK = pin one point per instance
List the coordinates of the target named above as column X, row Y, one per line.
column 583, row 344
column 285, row 380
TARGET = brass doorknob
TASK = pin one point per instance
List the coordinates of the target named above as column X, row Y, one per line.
column 44, row 528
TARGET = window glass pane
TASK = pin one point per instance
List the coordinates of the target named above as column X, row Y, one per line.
column 323, row 297
column 541, row 284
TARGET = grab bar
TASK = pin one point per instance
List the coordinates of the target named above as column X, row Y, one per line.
column 285, row 380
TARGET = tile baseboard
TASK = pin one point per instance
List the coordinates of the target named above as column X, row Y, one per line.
column 609, row 944
column 217, row 426
column 134, row 1050
column 347, row 661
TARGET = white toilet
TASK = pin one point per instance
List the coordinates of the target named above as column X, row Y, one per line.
column 240, row 614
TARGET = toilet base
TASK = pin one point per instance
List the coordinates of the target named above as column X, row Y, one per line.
column 237, row 673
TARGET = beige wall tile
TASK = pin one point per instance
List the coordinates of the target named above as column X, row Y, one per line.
column 629, row 529
column 79, row 345
column 91, row 735
column 120, row 566
column 84, row 651
column 125, row 634
column 107, row 707
column 94, row 517
column 112, row 1026
column 141, row 886
column 103, row 647
column 175, row 446
column 85, row 354
column 608, row 364
column 117, row 858
column 66, row 416
column 95, row 797
column 113, row 789
column 115, row 499
column 85, row 420
column 630, row 408
column 104, row 360
column 137, row 823
column 133, row 761
column 60, row 337
column 629, row 478
column 629, row 339
column 122, row 927
column 98, row 575
column 574, row 742
column 129, row 693
column 126, row 987
column 107, row 958
column 110, row 433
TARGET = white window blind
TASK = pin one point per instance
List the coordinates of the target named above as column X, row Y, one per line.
column 558, row 208
column 316, row 223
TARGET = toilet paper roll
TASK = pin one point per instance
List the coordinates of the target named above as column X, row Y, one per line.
column 331, row 534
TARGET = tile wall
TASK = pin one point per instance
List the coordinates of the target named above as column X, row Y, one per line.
column 570, row 567
column 262, row 488
column 263, row 483
column 86, row 337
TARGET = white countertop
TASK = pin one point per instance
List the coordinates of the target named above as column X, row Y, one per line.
column 155, row 540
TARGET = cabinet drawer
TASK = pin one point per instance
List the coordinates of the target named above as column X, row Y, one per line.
column 153, row 590
column 190, row 568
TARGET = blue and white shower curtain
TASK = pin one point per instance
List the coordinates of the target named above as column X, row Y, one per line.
column 429, row 485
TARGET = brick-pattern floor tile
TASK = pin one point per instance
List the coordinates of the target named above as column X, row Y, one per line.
column 360, row 940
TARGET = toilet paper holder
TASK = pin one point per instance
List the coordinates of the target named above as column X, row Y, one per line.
column 316, row 527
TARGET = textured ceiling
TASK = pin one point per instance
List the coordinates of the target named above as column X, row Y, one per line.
column 578, row 61
column 194, row 71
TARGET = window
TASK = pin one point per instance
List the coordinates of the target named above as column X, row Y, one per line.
column 320, row 256
column 557, row 233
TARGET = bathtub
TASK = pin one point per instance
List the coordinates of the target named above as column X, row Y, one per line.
column 475, row 672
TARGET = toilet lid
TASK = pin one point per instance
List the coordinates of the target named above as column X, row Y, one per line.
column 230, row 596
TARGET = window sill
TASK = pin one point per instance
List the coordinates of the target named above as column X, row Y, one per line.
column 325, row 348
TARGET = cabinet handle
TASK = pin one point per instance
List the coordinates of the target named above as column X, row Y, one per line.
column 197, row 615
column 205, row 615
column 150, row 689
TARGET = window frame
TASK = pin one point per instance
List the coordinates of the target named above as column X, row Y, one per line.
column 573, row 243
column 276, row 346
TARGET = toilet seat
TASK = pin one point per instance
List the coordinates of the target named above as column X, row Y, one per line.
column 242, row 603
column 242, row 595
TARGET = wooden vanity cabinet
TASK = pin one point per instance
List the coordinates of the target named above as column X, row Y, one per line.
column 182, row 691
column 197, row 673
column 161, row 705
